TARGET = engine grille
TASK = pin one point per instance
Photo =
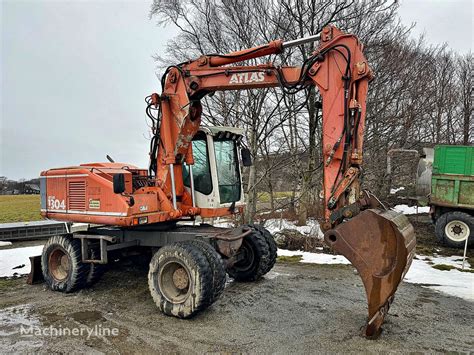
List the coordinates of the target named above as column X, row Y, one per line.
column 77, row 195
column 142, row 181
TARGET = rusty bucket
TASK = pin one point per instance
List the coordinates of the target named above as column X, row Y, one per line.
column 380, row 244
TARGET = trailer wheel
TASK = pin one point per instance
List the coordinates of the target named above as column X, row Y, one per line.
column 180, row 280
column 272, row 247
column 62, row 266
column 254, row 258
column 217, row 267
column 452, row 228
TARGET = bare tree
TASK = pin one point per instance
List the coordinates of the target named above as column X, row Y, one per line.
column 220, row 27
column 414, row 99
column 465, row 73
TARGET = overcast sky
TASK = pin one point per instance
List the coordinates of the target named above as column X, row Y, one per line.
column 74, row 76
column 441, row 21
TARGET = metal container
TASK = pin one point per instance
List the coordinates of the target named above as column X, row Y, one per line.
column 452, row 182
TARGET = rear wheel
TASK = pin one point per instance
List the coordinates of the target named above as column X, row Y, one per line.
column 62, row 266
column 253, row 258
column 180, row 280
column 95, row 270
column 272, row 247
column 453, row 228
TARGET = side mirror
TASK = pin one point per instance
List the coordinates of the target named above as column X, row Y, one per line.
column 119, row 183
column 246, row 157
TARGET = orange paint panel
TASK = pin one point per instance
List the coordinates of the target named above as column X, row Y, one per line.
column 216, row 212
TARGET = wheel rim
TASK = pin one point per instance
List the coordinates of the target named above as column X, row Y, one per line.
column 457, row 231
column 174, row 281
column 59, row 264
column 248, row 257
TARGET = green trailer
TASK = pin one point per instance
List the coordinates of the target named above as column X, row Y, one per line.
column 452, row 194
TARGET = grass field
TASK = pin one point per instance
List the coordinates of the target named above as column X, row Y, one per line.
column 265, row 196
column 19, row 208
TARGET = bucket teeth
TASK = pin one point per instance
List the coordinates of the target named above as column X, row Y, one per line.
column 381, row 245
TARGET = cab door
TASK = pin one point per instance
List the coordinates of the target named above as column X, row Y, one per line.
column 204, row 172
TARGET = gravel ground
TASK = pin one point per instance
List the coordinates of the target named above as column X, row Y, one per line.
column 297, row 308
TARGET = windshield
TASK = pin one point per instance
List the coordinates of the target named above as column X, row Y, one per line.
column 201, row 170
column 227, row 170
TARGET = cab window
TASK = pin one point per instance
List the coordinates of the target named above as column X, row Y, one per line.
column 228, row 173
column 201, row 169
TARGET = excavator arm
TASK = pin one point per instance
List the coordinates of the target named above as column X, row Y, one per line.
column 338, row 68
column 378, row 242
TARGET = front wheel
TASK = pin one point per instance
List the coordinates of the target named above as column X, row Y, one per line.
column 453, row 228
column 180, row 280
column 217, row 267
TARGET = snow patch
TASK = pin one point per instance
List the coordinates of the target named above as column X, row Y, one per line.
column 3, row 244
column 394, row 191
column 11, row 258
column 315, row 258
column 452, row 282
column 223, row 223
column 273, row 275
column 405, row 209
column 311, row 228
column 453, row 260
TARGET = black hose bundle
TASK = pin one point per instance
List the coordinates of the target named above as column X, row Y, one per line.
column 155, row 129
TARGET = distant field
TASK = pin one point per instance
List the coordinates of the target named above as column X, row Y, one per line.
column 265, row 196
column 19, row 208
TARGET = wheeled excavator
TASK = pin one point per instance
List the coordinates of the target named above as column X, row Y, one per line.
column 195, row 171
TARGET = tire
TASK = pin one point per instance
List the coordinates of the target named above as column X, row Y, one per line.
column 453, row 227
column 272, row 247
column 62, row 266
column 217, row 267
column 255, row 259
column 95, row 270
column 180, row 280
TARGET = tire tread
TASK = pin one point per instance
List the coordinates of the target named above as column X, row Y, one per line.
column 260, row 246
column 77, row 278
column 272, row 247
column 217, row 267
column 186, row 253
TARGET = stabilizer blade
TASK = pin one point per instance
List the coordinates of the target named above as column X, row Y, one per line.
column 36, row 274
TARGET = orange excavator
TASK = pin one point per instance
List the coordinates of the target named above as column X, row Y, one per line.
column 196, row 171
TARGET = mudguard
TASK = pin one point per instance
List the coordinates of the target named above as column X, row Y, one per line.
column 380, row 244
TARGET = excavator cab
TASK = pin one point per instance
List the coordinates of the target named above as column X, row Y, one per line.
column 216, row 172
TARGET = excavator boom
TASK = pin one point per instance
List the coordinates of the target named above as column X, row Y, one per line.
column 378, row 242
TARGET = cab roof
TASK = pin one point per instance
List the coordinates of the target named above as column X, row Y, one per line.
column 215, row 130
